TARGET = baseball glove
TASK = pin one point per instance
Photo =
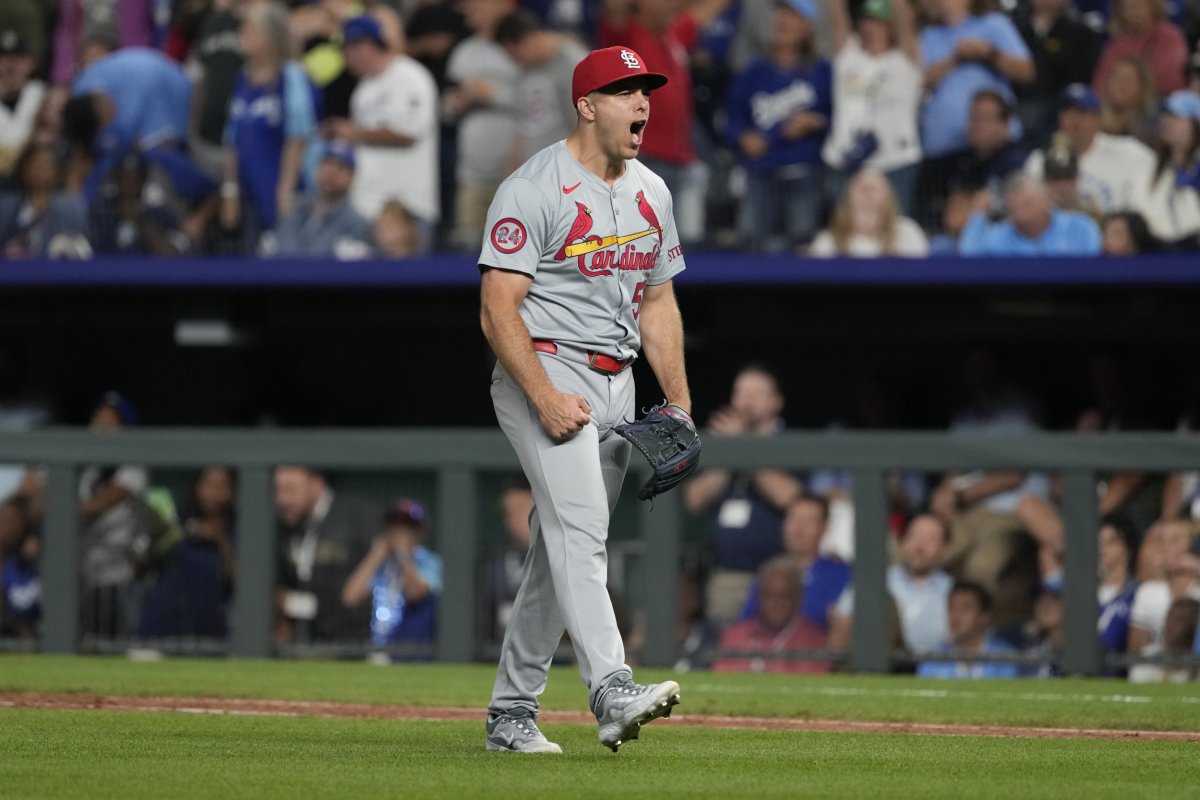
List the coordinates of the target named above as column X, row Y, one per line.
column 667, row 437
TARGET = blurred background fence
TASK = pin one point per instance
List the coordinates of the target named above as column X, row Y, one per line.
column 458, row 459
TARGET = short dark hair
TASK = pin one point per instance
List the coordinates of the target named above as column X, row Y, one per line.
column 939, row 519
column 1127, row 532
column 81, row 121
column 815, row 499
column 516, row 26
column 981, row 594
column 1000, row 100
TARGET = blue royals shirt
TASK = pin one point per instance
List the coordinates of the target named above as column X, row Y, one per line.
column 764, row 96
column 1070, row 234
column 393, row 619
column 261, row 120
column 977, row 669
column 151, row 95
column 824, row 581
column 944, row 115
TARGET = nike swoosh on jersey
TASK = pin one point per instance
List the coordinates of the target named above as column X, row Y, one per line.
column 573, row 188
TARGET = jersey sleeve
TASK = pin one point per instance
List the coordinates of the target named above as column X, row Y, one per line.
column 517, row 229
column 670, row 255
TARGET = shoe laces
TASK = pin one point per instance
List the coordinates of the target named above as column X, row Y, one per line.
column 527, row 727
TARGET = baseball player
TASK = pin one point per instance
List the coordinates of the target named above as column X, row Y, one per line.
column 579, row 253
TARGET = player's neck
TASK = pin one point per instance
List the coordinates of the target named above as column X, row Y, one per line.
column 588, row 153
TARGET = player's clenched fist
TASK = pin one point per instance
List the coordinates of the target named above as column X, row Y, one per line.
column 563, row 415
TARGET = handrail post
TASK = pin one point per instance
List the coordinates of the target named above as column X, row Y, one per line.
column 660, row 524
column 254, row 590
column 1081, row 645
column 457, row 488
column 60, row 563
column 869, row 641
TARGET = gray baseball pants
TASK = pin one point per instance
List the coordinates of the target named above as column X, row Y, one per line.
column 575, row 487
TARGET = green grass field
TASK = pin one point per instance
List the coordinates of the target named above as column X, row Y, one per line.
column 60, row 754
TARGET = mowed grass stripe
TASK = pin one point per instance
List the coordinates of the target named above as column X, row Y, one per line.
column 1055, row 704
column 60, row 754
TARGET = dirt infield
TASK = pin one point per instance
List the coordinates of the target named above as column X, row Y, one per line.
column 293, row 708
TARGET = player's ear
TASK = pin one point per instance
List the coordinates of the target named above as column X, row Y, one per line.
column 586, row 107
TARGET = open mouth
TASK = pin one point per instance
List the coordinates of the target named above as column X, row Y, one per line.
column 636, row 129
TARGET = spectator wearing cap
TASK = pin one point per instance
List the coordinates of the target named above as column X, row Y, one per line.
column 1170, row 200
column 1032, row 226
column 272, row 120
column 402, row 577
column 1064, row 51
column 546, row 61
column 481, row 101
column 326, row 225
column 877, row 86
column 115, row 539
column 1141, row 29
column 133, row 101
column 664, row 37
column 393, row 126
column 1112, row 169
column 322, row 535
column 992, row 155
column 777, row 115
column 963, row 53
column 1061, row 173
column 38, row 218
column 21, row 97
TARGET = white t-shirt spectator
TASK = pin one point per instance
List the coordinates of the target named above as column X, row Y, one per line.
column 403, row 98
column 1150, row 607
column 881, row 94
column 485, row 132
column 1171, row 211
column 1112, row 173
column 910, row 243
column 17, row 122
column 111, row 541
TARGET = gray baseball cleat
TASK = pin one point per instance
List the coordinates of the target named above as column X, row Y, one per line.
column 509, row 734
column 625, row 707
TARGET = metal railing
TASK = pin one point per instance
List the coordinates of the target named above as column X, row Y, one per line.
column 458, row 457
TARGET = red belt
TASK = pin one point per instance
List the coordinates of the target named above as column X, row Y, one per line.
column 596, row 361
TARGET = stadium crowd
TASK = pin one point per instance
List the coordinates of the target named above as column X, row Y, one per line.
column 352, row 128
column 976, row 558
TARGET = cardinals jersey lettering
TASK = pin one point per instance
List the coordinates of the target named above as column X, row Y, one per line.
column 590, row 248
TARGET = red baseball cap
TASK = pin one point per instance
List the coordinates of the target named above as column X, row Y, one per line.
column 602, row 67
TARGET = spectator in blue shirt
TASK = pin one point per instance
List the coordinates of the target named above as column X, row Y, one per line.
column 134, row 100
column 1033, row 227
column 964, row 54
column 20, row 587
column 969, row 611
column 823, row 578
column 326, row 225
column 1118, row 582
column 778, row 114
column 272, row 119
column 402, row 577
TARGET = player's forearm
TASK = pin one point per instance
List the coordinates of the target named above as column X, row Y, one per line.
column 505, row 331
column 662, row 342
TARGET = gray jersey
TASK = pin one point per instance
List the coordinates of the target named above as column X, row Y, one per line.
column 590, row 248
